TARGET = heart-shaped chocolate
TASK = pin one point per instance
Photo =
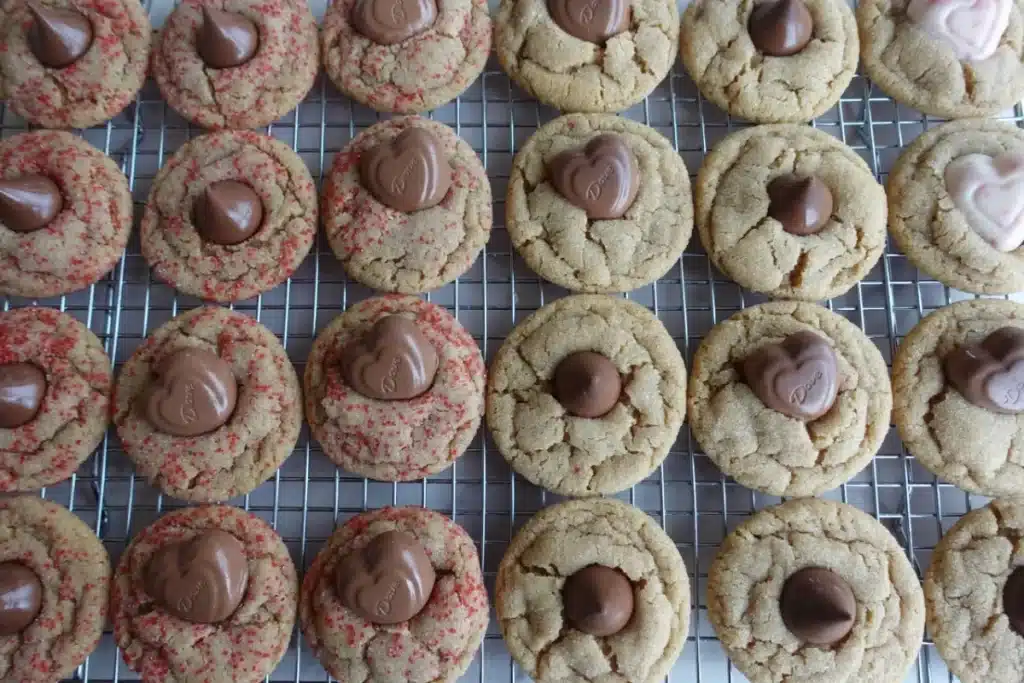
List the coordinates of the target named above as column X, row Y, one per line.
column 601, row 177
column 202, row 580
column 388, row 580
column 392, row 361
column 409, row 173
column 797, row 377
column 387, row 22
column 989, row 191
column 594, row 21
column 990, row 374
column 193, row 392
column 973, row 28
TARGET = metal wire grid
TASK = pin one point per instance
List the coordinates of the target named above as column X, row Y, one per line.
column 688, row 496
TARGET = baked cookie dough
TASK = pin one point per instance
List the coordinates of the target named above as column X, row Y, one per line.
column 976, row 448
column 409, row 251
column 754, row 194
column 55, row 382
column 562, row 243
column 65, row 214
column 193, row 239
column 760, row 446
column 432, row 641
column 601, row 73
column 947, row 58
column 194, row 561
column 395, row 439
column 747, row 590
column 552, row 600
column 72, row 63
column 534, row 412
column 417, row 62
column 770, row 61
column 956, row 197
column 209, row 406
column 244, row 64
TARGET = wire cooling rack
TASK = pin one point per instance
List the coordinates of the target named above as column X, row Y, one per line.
column 687, row 495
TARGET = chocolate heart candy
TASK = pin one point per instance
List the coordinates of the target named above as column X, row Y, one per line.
column 29, row 203
column 226, row 39
column 202, row 580
column 193, row 393
column 58, row 37
column 601, row 177
column 21, row 597
column 818, row 606
column 803, row 204
column 22, row 387
column 409, row 173
column 387, row 22
column 797, row 377
column 972, row 28
column 989, row 192
column 388, row 581
column 990, row 374
column 594, row 21
column 780, row 28
column 392, row 361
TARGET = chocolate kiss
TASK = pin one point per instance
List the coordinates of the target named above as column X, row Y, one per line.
column 58, row 37
column 29, row 203
column 226, row 39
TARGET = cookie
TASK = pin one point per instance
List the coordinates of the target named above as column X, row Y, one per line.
column 204, row 594
column 208, row 406
column 777, row 61
column 946, row 427
column 230, row 215
column 606, row 64
column 55, row 386
column 789, row 398
column 394, row 404
column 947, row 58
column 573, row 240
column 427, row 234
column 815, row 590
column 586, row 396
column 65, row 214
column 72, row 63
column 238, row 64
column 790, row 211
column 430, row 623
column 955, row 200
column 418, row 61
column 973, row 594
column 593, row 590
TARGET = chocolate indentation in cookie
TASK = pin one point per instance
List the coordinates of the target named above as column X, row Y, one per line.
column 990, row 374
column 387, row 22
column 797, row 377
column 780, row 28
column 803, row 204
column 600, row 177
column 226, row 39
column 388, row 580
column 818, row 606
column 29, row 203
column 594, row 21
column 587, row 384
column 1013, row 600
column 21, row 597
column 408, row 173
column 58, row 37
column 202, row 580
column 598, row 600
column 393, row 360
column 228, row 212
column 22, row 387
column 193, row 392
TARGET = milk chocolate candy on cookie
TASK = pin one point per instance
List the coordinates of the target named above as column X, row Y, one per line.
column 797, row 377
column 1013, row 599
column 594, row 21
column 392, row 361
column 972, row 29
column 226, row 39
column 803, row 204
column 989, row 192
column 780, row 28
column 388, row 580
column 587, row 384
column 387, row 22
column 818, row 606
column 193, row 392
column 202, row 580
column 409, row 173
column 29, row 203
column 22, row 387
column 58, row 37
column 21, row 597
column 598, row 600
column 600, row 177
column 228, row 212
column 990, row 374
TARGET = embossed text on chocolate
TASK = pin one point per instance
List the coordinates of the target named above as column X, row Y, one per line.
column 186, row 602
column 399, row 181
column 587, row 12
column 188, row 405
column 383, row 606
column 799, row 395
column 398, row 13
column 390, row 381
column 594, row 189
column 1014, row 395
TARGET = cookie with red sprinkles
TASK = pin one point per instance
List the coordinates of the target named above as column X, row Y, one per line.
column 255, row 93
column 75, row 405
column 437, row 644
column 86, row 237
column 73, row 572
column 256, row 437
column 396, row 440
column 243, row 648
column 181, row 256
